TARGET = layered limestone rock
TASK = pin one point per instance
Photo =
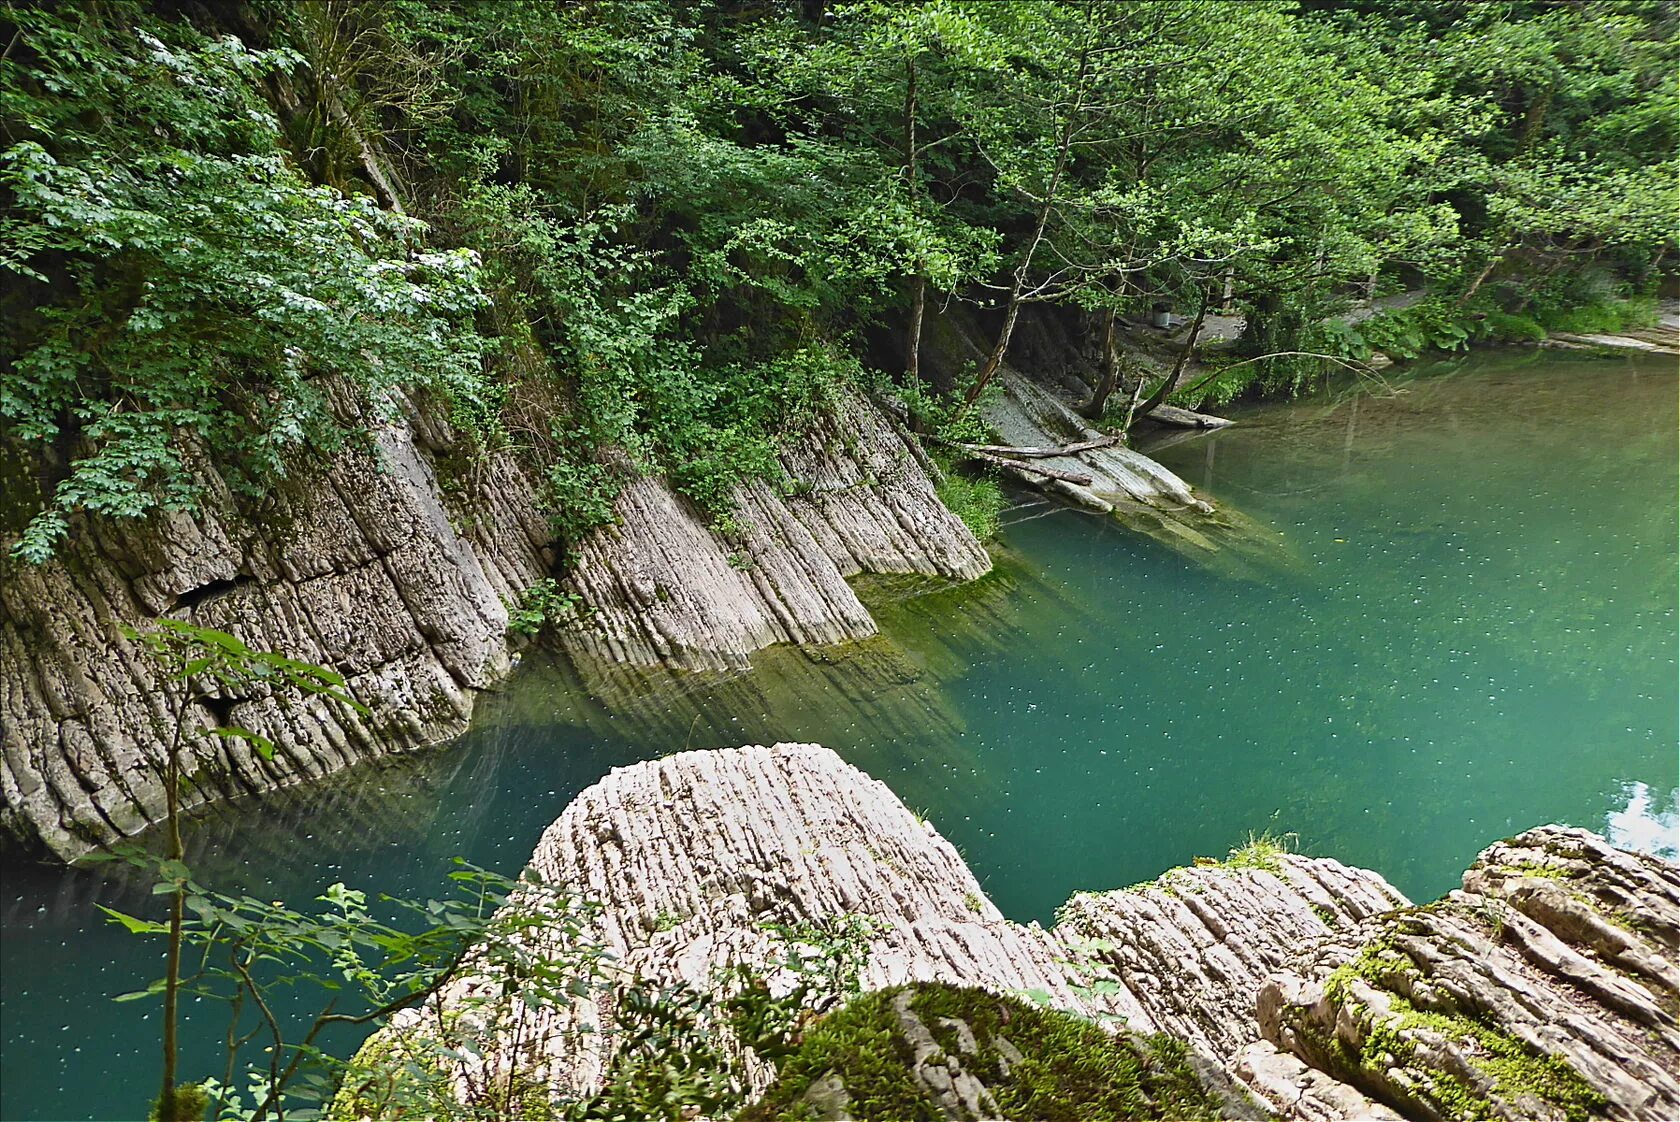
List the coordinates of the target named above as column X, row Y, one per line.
column 1547, row 988
column 1028, row 415
column 664, row 589
column 362, row 567
column 394, row 564
column 693, row 856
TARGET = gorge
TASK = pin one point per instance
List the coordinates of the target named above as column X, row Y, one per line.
column 1115, row 751
column 789, row 559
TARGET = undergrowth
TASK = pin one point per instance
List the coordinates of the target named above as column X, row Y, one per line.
column 976, row 499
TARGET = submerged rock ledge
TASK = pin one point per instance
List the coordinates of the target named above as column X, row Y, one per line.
column 1545, row 989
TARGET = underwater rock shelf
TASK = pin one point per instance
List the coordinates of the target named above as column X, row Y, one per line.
column 1545, row 989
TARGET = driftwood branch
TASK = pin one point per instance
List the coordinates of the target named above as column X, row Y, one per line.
column 1035, row 469
column 995, row 454
column 1007, row 456
column 1030, row 453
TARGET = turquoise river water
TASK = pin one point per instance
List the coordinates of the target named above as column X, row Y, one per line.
column 1472, row 630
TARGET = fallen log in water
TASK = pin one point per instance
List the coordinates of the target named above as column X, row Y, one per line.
column 1032, row 453
column 1186, row 418
column 987, row 454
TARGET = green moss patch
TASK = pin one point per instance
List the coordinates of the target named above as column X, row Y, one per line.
column 1513, row 1069
column 1037, row 1063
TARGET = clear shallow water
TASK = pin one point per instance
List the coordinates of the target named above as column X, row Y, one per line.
column 1477, row 634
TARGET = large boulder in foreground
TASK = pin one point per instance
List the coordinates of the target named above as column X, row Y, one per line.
column 1270, row 981
column 1547, row 988
column 695, row 858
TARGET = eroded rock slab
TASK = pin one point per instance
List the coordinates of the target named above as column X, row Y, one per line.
column 665, row 589
column 692, row 856
column 1545, row 989
column 363, row 566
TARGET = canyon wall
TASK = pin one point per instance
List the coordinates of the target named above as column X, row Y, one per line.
column 395, row 563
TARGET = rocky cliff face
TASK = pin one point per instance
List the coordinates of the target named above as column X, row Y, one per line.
column 395, row 565
column 666, row 590
column 1544, row 990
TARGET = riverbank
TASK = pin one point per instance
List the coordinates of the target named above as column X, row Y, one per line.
column 401, row 566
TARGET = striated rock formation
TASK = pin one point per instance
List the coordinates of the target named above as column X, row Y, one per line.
column 665, row 589
column 692, row 855
column 1027, row 414
column 1126, row 484
column 362, row 567
column 394, row 564
column 1547, row 989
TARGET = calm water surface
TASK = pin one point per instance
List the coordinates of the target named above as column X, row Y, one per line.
column 1474, row 632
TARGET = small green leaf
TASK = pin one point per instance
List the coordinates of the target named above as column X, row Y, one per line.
column 135, row 925
column 262, row 745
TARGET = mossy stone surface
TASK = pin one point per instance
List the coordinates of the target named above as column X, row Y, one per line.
column 866, row 1063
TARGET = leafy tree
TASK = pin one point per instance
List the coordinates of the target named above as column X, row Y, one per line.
column 178, row 290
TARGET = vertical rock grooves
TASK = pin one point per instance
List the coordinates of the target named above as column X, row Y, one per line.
column 693, row 854
column 1545, row 990
column 665, row 589
column 356, row 565
column 388, row 565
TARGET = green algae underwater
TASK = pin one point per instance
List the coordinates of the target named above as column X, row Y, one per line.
column 1476, row 634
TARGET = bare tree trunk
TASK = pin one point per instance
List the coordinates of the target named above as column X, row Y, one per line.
column 1480, row 277
column 1108, row 372
column 1001, row 347
column 167, row 1108
column 913, row 349
column 372, row 166
column 1131, row 406
column 918, row 290
column 1013, row 309
column 1171, row 383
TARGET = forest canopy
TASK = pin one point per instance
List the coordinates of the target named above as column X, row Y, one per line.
column 630, row 236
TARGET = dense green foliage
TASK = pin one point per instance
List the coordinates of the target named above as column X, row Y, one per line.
column 625, row 235
column 178, row 288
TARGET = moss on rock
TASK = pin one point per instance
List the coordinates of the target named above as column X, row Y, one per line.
column 934, row 1051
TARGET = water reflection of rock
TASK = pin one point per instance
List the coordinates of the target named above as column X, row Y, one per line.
column 391, row 802
column 879, row 700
